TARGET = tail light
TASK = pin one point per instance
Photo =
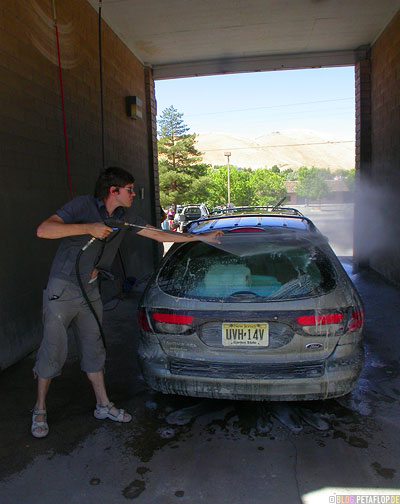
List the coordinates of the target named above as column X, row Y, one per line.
column 246, row 230
column 172, row 318
column 325, row 324
column 324, row 319
column 356, row 320
column 142, row 320
column 172, row 323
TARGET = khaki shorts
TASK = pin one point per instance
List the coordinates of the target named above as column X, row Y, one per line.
column 63, row 307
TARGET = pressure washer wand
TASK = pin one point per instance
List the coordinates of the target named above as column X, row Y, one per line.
column 92, row 239
column 121, row 224
column 142, row 227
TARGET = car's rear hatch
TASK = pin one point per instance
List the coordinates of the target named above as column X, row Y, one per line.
column 279, row 305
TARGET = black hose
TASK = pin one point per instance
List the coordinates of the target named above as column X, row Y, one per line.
column 101, row 90
column 122, row 263
column 78, row 257
column 78, row 276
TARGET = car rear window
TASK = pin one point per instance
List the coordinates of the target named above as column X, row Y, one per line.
column 199, row 271
column 192, row 212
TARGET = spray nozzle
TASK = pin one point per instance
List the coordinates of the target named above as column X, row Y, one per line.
column 92, row 239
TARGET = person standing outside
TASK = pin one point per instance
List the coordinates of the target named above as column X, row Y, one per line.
column 171, row 215
column 64, row 304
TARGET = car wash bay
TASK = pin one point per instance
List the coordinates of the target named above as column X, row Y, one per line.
column 228, row 452
column 179, row 449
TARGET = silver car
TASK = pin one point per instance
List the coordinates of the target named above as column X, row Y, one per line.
column 190, row 213
column 267, row 314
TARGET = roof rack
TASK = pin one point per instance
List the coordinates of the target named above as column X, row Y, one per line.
column 251, row 209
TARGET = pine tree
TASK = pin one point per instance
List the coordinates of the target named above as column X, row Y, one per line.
column 179, row 160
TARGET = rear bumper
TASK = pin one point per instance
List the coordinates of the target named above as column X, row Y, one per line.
column 337, row 378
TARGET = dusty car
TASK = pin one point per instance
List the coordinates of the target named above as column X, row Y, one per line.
column 192, row 212
column 267, row 314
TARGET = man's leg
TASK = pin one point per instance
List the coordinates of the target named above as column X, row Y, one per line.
column 97, row 381
column 53, row 350
column 42, row 389
column 93, row 356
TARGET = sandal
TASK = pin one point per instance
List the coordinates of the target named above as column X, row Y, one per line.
column 103, row 412
column 39, row 429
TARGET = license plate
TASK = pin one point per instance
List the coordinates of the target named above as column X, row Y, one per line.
column 250, row 334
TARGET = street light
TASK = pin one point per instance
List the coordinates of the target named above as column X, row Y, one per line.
column 228, row 155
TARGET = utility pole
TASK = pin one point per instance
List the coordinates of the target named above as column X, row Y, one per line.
column 228, row 155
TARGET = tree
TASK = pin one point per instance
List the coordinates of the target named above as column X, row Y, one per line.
column 240, row 189
column 302, row 172
column 289, row 174
column 198, row 191
column 171, row 124
column 248, row 187
column 178, row 159
column 349, row 179
column 267, row 187
column 241, row 192
column 311, row 183
column 348, row 176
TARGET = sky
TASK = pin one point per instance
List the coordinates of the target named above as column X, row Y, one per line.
column 255, row 104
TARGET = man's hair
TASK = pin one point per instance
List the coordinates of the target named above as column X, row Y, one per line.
column 112, row 176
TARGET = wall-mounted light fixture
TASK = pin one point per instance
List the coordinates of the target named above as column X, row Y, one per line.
column 133, row 107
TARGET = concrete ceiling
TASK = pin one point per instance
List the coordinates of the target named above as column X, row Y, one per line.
column 182, row 38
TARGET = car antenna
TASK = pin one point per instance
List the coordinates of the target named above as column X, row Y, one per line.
column 279, row 203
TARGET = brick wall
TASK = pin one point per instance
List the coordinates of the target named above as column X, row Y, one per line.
column 151, row 107
column 363, row 158
column 363, row 114
column 32, row 155
column 381, row 180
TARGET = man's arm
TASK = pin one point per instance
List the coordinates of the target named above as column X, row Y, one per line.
column 54, row 227
column 170, row 236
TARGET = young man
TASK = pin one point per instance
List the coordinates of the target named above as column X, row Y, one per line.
column 63, row 302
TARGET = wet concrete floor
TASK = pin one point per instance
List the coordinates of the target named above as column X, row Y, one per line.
column 182, row 450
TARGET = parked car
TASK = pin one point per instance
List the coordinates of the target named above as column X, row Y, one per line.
column 268, row 314
column 192, row 212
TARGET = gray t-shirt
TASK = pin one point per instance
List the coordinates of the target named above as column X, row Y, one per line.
column 101, row 253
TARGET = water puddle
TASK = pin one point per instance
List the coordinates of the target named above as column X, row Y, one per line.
column 169, row 421
column 287, row 415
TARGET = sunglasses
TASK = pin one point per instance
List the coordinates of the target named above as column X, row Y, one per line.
column 129, row 189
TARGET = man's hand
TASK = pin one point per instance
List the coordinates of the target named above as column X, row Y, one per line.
column 211, row 237
column 98, row 229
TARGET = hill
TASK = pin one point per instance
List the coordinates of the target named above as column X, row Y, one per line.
column 287, row 149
